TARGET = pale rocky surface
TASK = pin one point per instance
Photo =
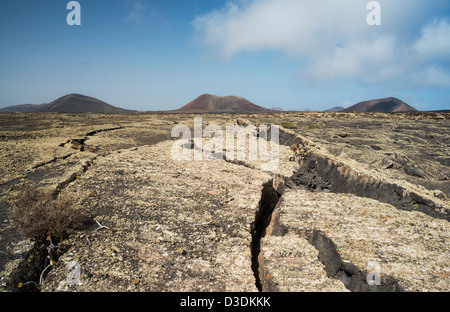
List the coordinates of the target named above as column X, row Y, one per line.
column 336, row 203
column 176, row 226
column 413, row 147
column 290, row 263
column 411, row 248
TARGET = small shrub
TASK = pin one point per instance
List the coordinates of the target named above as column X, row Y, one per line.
column 287, row 125
column 313, row 126
column 39, row 213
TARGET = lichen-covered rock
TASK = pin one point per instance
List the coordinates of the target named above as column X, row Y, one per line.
column 158, row 224
column 351, row 234
column 172, row 226
column 290, row 263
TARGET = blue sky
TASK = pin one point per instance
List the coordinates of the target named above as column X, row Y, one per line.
column 294, row 54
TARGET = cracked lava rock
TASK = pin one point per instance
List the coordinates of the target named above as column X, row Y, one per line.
column 163, row 225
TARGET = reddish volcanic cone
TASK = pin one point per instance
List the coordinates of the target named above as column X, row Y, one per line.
column 213, row 104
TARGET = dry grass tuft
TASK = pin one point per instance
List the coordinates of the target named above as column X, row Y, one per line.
column 39, row 213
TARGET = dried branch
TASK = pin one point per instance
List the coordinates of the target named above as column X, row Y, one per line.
column 205, row 223
column 41, row 279
column 101, row 226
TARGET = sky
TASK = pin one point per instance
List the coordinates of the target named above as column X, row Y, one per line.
column 161, row 54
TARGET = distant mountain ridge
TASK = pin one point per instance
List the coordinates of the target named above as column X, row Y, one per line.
column 209, row 103
column 23, row 108
column 385, row 105
column 71, row 103
column 335, row 109
column 205, row 103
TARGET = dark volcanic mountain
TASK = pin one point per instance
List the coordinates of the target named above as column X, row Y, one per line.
column 71, row 103
column 23, row 108
column 208, row 103
column 77, row 103
column 386, row 105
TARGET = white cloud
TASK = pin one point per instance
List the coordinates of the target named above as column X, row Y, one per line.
column 435, row 40
column 360, row 59
column 331, row 39
column 288, row 25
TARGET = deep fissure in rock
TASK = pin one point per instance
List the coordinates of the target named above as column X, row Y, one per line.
column 75, row 175
column 102, row 130
column 353, row 279
column 80, row 144
column 36, row 263
column 52, row 161
column 320, row 173
column 35, row 266
column 269, row 200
